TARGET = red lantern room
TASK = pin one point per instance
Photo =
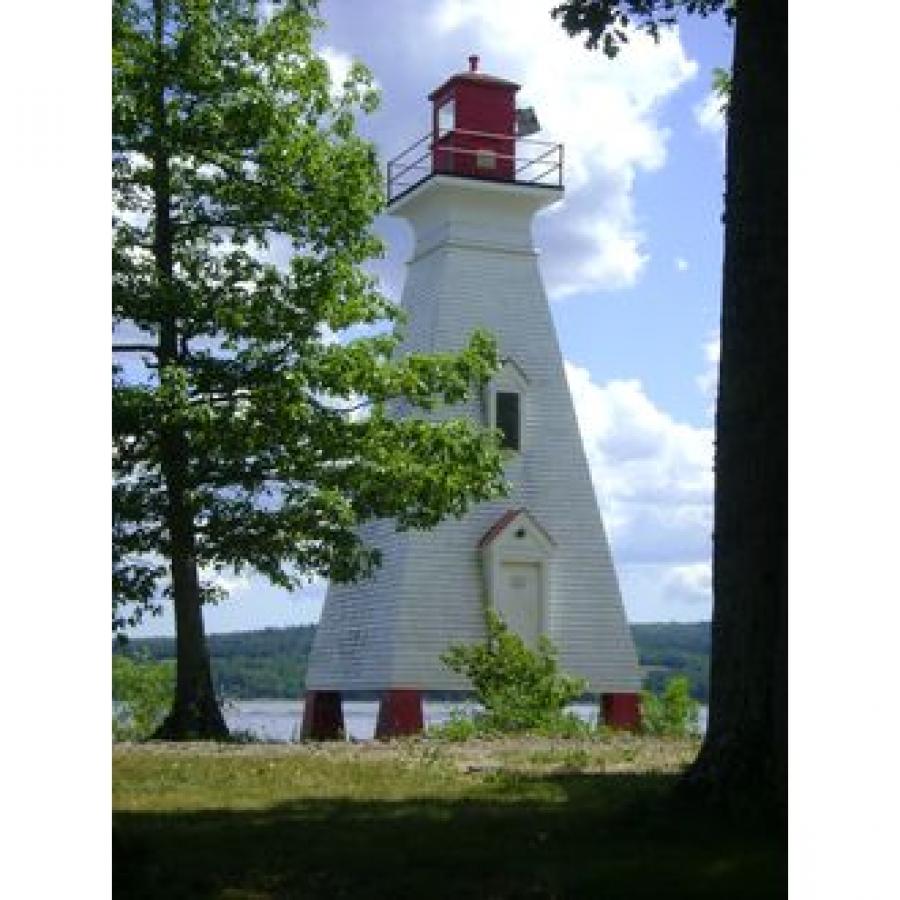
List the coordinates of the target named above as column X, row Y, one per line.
column 477, row 132
column 474, row 125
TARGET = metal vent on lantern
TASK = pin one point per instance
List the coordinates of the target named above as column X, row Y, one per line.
column 526, row 122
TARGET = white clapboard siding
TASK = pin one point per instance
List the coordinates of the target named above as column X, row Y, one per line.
column 474, row 266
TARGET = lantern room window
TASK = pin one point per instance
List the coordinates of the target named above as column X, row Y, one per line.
column 508, row 419
column 446, row 117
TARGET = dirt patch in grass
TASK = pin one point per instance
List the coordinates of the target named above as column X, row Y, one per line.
column 623, row 752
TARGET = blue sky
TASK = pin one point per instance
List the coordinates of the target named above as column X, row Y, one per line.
column 631, row 259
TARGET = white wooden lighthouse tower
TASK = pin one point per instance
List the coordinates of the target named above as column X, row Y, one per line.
column 540, row 557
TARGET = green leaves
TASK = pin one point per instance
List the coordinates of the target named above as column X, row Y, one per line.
column 243, row 203
column 142, row 691
column 721, row 85
column 673, row 713
column 521, row 689
column 607, row 21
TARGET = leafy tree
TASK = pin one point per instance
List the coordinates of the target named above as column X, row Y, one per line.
column 245, row 434
column 521, row 689
column 721, row 84
column 143, row 689
column 671, row 712
column 744, row 752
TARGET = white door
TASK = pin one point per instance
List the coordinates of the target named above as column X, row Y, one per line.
column 519, row 600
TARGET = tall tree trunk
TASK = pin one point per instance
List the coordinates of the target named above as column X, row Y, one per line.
column 744, row 753
column 195, row 712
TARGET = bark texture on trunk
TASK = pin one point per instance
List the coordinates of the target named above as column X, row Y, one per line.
column 195, row 713
column 744, row 753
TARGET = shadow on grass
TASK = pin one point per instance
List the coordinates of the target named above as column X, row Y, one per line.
column 611, row 836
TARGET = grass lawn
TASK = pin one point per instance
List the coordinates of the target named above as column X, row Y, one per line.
column 422, row 819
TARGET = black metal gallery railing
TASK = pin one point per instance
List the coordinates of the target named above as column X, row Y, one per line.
column 475, row 154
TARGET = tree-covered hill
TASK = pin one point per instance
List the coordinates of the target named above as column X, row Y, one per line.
column 246, row 664
column 271, row 663
column 674, row 648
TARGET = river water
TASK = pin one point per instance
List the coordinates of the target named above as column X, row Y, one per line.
column 278, row 720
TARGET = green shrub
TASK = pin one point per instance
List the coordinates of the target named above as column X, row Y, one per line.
column 143, row 691
column 520, row 689
column 459, row 727
column 673, row 712
column 565, row 725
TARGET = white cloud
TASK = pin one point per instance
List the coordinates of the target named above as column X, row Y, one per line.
column 605, row 253
column 654, row 482
column 710, row 116
column 708, row 380
column 604, row 111
column 339, row 64
column 693, row 581
column 228, row 581
column 661, row 592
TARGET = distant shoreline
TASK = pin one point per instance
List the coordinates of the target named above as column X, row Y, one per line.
column 270, row 663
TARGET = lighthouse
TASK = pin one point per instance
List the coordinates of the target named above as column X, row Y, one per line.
column 469, row 190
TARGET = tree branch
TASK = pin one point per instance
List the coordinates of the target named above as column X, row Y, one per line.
column 135, row 348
